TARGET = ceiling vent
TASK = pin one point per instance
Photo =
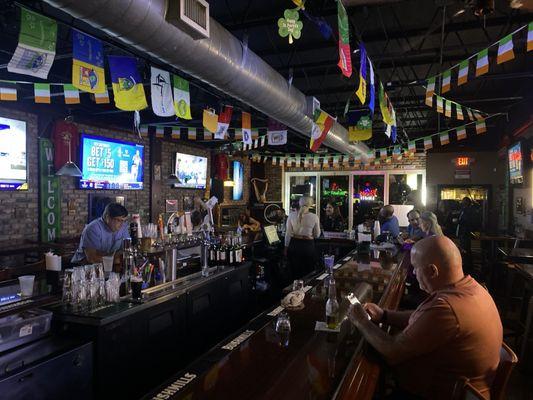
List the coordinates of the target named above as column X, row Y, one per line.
column 191, row 16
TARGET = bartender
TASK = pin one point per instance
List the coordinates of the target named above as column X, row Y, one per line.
column 103, row 236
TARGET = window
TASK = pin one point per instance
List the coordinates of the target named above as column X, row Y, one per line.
column 334, row 192
column 368, row 194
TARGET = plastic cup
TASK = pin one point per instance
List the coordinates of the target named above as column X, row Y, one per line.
column 108, row 263
column 26, row 285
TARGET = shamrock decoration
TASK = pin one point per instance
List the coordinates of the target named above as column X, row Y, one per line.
column 364, row 122
column 290, row 25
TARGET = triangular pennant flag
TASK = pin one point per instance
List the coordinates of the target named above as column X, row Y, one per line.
column 72, row 94
column 530, row 36
column 428, row 143
column 461, row 133
column 482, row 63
column 42, row 92
column 161, row 92
column 182, row 97
column 444, row 138
column 8, row 91
column 128, row 89
column 359, row 126
column 210, row 119
column 36, row 49
column 459, row 110
column 277, row 133
column 102, row 98
column 224, row 120
column 87, row 63
column 481, row 127
column 463, row 73
column 361, row 90
column 439, row 104
column 446, row 81
column 372, row 89
column 246, row 128
column 447, row 108
column 345, row 60
column 505, row 49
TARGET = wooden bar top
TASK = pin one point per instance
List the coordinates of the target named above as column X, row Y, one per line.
column 254, row 363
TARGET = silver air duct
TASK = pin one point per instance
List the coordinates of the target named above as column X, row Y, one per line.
column 218, row 61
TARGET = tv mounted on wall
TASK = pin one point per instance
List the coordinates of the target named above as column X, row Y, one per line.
column 13, row 162
column 191, row 171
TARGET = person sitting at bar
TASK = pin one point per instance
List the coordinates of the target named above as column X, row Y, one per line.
column 429, row 224
column 103, row 236
column 302, row 228
column 456, row 332
column 248, row 224
column 333, row 221
column 388, row 221
column 414, row 232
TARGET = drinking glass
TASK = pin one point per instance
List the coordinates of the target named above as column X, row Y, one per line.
column 298, row 284
column 283, row 328
column 329, row 260
column 68, row 287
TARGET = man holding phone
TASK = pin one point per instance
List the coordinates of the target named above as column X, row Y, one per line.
column 456, row 332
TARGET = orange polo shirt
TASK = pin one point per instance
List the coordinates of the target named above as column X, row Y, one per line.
column 456, row 332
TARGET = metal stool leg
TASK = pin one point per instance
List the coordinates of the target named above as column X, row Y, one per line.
column 527, row 330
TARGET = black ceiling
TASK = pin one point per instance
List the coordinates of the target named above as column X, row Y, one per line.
column 408, row 41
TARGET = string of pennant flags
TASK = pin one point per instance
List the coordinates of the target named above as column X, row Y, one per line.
column 446, row 106
column 505, row 53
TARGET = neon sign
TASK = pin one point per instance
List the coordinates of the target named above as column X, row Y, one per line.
column 337, row 192
column 368, row 194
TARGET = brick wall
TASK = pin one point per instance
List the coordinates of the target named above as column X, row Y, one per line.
column 274, row 174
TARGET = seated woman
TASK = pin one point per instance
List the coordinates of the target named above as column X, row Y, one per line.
column 429, row 224
column 333, row 221
column 247, row 223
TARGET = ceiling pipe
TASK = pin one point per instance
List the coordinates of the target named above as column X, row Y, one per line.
column 217, row 61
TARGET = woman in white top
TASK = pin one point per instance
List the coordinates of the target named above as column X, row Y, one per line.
column 303, row 227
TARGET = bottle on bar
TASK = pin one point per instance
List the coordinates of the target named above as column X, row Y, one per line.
column 231, row 252
column 332, row 306
column 222, row 254
column 212, row 254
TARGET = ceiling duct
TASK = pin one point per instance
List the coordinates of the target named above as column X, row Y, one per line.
column 218, row 60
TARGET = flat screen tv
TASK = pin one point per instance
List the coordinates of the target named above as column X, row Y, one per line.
column 191, row 171
column 13, row 165
column 516, row 164
column 111, row 164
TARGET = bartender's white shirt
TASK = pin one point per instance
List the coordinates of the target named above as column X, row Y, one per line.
column 309, row 226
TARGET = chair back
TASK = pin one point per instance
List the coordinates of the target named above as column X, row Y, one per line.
column 508, row 360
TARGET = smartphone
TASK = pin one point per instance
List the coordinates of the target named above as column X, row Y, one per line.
column 352, row 298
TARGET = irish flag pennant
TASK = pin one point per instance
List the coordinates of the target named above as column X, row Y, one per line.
column 144, row 130
column 176, row 132
column 42, row 92
column 345, row 60
column 191, row 133
column 439, row 104
column 429, row 91
column 72, row 94
column 447, row 108
column 182, row 97
column 470, row 114
column 102, row 98
column 505, row 49
column 159, row 132
column 412, row 146
column 463, row 73
column 482, row 64
column 481, row 127
column 444, row 138
column 530, row 37
column 428, row 143
column 461, row 133
column 8, row 91
column 446, row 81
column 459, row 110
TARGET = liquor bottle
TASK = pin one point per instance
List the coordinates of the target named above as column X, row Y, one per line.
column 238, row 252
column 231, row 252
column 212, row 254
column 332, row 306
column 221, row 254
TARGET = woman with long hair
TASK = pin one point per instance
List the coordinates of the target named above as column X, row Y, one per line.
column 333, row 221
column 303, row 227
column 429, row 224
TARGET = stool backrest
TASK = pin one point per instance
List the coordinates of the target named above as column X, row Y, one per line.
column 508, row 360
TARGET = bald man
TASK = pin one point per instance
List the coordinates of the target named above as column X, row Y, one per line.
column 456, row 332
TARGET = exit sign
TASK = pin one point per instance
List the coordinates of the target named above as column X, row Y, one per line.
column 463, row 162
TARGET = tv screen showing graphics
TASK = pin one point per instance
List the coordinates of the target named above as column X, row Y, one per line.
column 13, row 165
column 191, row 171
column 516, row 164
column 111, row 164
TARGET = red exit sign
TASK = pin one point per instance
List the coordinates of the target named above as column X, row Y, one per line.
column 463, row 161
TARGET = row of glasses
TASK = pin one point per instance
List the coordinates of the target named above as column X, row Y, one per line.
column 84, row 287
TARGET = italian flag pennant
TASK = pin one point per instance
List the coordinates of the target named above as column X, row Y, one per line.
column 428, row 143
column 482, row 64
column 176, row 132
column 444, row 138
column 530, row 36
column 505, row 49
column 429, row 91
column 439, row 104
column 446, row 81
column 481, row 127
column 191, row 133
column 461, row 133
column 102, row 98
column 447, row 108
column 72, row 94
column 463, row 73
column 459, row 110
column 8, row 91
column 42, row 92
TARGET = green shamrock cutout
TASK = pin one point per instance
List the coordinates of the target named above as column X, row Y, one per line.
column 290, row 25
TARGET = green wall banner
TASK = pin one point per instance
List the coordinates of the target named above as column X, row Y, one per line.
column 50, row 204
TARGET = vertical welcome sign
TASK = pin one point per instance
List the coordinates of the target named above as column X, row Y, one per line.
column 50, row 210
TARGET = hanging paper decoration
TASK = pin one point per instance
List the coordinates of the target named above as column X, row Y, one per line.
column 290, row 25
column 223, row 122
column 102, row 98
column 323, row 122
column 324, row 28
column 440, row 108
column 463, row 73
column 505, row 49
column 246, row 128
column 447, row 108
column 128, row 90
column 210, row 120
column 36, row 49
column 481, row 127
column 446, row 81
column 42, row 92
column 359, row 126
column 182, row 97
column 161, row 93
column 428, row 143
column 459, row 111
column 191, row 134
column 482, row 63
column 361, row 91
column 87, row 63
column 397, row 153
column 345, row 60
column 444, row 138
column 412, row 146
column 372, row 101
column 461, row 133
column 429, row 91
column 8, row 91
column 530, row 37
column 72, row 95
column 277, row 133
